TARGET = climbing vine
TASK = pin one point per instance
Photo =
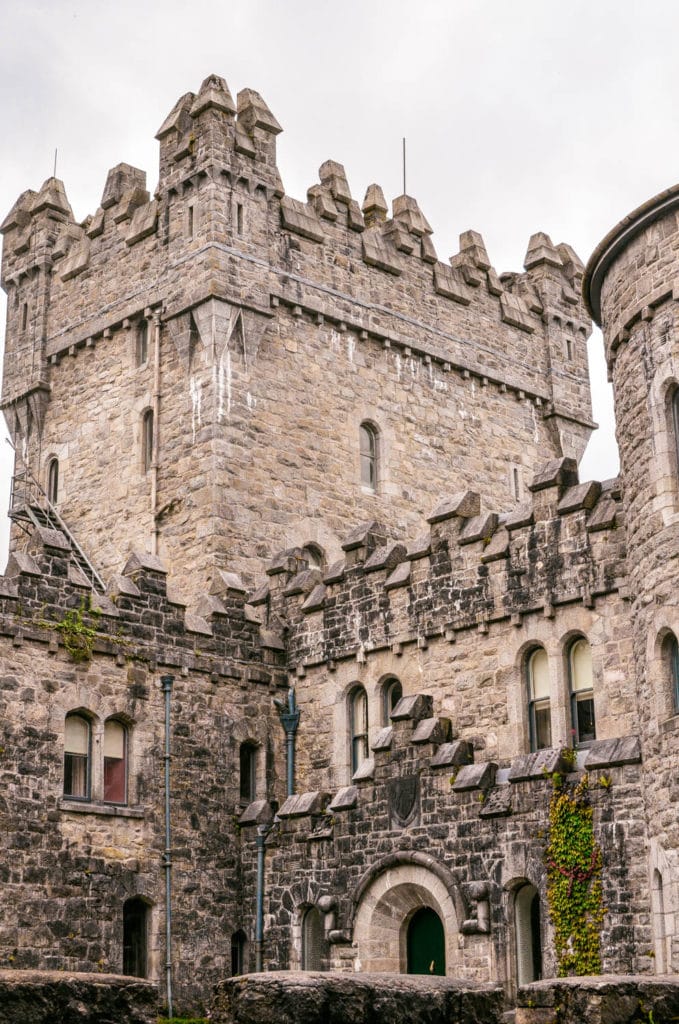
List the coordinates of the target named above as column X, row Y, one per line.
column 574, row 893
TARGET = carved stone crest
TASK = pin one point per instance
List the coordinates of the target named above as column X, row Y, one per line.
column 404, row 801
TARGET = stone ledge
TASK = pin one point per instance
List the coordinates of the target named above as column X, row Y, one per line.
column 104, row 810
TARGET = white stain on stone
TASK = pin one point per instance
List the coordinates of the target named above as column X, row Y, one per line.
column 196, row 389
column 251, row 400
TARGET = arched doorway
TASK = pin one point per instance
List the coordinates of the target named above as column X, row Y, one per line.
column 312, row 940
column 425, row 943
column 387, row 905
column 135, row 939
column 528, row 934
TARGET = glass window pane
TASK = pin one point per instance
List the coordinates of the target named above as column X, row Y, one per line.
column 77, row 737
column 581, row 666
column 543, row 725
column 75, row 776
column 539, row 674
column 585, row 719
column 114, row 739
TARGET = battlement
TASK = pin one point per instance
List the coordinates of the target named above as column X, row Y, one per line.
column 136, row 619
column 472, row 569
column 219, row 204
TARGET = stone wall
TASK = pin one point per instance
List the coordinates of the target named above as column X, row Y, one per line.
column 70, row 865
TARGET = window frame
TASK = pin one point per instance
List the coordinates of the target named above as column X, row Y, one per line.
column 86, row 796
column 536, row 704
column 358, row 738
column 369, row 456
column 670, row 650
column 147, row 441
column 53, row 480
column 141, row 347
column 580, row 694
column 390, row 684
column 125, row 762
column 247, row 759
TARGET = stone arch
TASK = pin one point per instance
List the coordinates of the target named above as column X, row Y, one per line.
column 386, row 899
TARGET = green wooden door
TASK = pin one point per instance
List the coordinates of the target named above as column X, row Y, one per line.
column 426, row 943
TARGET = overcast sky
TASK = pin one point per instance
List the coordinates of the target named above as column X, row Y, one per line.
column 520, row 116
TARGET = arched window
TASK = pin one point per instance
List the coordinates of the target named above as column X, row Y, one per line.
column 142, row 351
column 312, row 940
column 147, row 440
column 115, row 762
column 539, row 714
column 671, row 657
column 368, row 448
column 135, row 937
column 527, row 932
column 392, row 691
column 53, row 481
column 582, row 692
column 314, row 556
column 77, row 748
column 248, row 772
column 239, row 953
column 358, row 727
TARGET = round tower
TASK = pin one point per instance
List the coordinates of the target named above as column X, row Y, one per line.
column 631, row 287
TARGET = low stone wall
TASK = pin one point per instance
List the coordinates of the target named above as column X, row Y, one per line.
column 298, row 997
column 610, row 999
column 56, row 997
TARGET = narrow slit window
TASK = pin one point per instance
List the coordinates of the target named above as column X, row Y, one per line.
column 147, row 441
column 24, row 316
column 135, row 937
column 582, row 692
column 539, row 708
column 358, row 727
column 77, row 758
column 248, row 772
column 53, row 481
column 115, row 762
column 189, row 222
column 142, row 342
column 239, row 218
column 368, row 453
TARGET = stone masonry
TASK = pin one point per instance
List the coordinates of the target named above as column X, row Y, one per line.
column 189, row 380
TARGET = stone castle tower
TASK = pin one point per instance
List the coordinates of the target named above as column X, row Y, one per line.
column 202, row 365
column 277, row 459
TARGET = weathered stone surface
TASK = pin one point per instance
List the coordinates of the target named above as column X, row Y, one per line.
column 609, row 999
column 308, row 998
column 46, row 997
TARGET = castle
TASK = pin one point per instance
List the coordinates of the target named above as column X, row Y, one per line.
column 297, row 518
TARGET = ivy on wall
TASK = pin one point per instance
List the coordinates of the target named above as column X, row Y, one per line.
column 574, row 893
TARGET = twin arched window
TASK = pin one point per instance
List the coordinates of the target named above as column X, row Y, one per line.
column 78, row 760
column 581, row 690
column 369, row 456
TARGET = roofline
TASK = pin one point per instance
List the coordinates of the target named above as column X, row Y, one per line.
column 616, row 240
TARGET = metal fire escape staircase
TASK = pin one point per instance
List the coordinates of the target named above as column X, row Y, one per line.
column 29, row 507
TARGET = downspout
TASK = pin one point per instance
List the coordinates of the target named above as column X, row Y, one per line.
column 166, row 683
column 262, row 832
column 289, row 717
column 156, row 426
